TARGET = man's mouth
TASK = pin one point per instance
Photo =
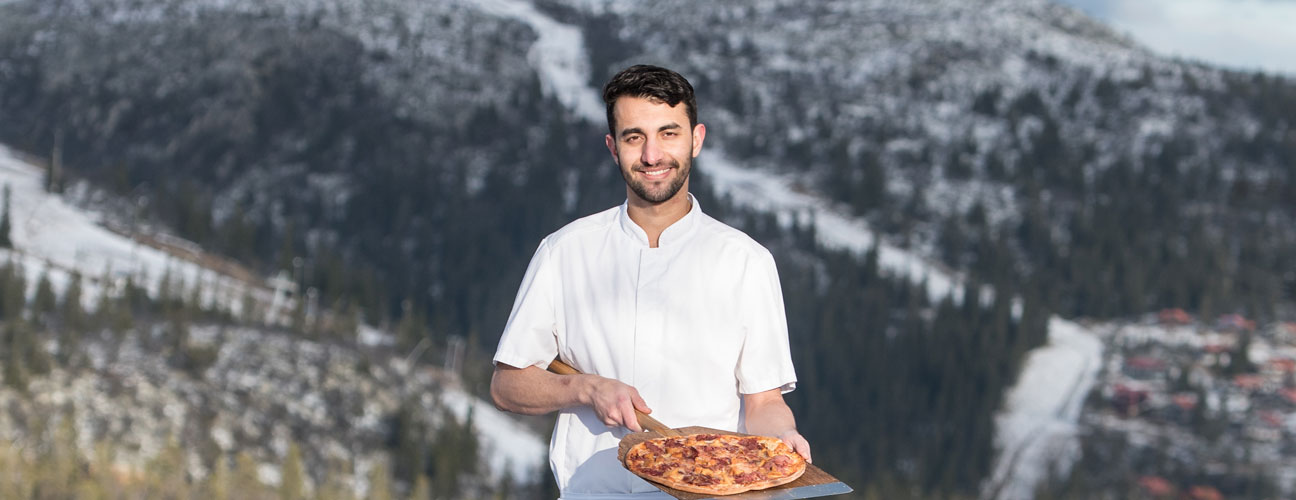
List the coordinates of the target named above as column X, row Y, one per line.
column 655, row 173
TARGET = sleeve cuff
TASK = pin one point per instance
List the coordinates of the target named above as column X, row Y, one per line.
column 753, row 388
column 517, row 361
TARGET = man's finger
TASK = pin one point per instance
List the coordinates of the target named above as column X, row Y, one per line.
column 639, row 403
column 612, row 418
column 633, row 420
column 627, row 416
column 803, row 447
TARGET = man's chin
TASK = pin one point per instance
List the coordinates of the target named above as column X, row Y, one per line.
column 655, row 195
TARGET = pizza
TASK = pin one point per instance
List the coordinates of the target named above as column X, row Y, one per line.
column 715, row 464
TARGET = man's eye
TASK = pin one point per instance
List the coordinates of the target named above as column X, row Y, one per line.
column 633, row 139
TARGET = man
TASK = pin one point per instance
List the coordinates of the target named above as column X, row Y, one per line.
column 666, row 310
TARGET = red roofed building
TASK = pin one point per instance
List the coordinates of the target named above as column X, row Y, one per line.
column 1174, row 316
column 1156, row 486
column 1272, row 418
column 1282, row 365
column 1127, row 400
column 1185, row 400
column 1288, row 394
column 1144, row 367
column 1204, row 493
column 1234, row 322
column 1248, row 382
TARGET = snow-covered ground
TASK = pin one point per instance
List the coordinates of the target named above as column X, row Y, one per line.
column 1041, row 410
column 508, row 445
column 1037, row 426
column 53, row 237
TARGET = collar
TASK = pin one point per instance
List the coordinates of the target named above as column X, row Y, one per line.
column 674, row 234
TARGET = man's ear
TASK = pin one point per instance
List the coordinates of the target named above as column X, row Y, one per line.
column 699, row 133
column 611, row 145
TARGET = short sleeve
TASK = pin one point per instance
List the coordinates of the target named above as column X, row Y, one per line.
column 529, row 336
column 766, row 359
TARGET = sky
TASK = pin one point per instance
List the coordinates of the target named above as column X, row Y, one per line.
column 1240, row 34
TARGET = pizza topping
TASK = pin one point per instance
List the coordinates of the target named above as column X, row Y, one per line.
column 749, row 477
column 653, row 448
column 707, row 437
column 690, row 452
column 660, row 468
column 750, row 443
column 700, row 479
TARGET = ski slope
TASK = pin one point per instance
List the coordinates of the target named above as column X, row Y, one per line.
column 54, row 238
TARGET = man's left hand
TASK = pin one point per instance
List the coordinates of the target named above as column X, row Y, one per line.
column 797, row 442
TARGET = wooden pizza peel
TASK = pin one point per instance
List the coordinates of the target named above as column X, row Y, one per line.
column 812, row 484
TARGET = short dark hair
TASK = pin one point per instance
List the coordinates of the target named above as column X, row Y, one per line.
column 651, row 82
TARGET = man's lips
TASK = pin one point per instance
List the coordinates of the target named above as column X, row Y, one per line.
column 656, row 173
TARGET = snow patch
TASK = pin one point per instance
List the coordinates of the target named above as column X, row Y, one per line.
column 1037, row 427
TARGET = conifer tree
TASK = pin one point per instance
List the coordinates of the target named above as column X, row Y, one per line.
column 422, row 488
column 6, row 226
column 74, row 316
column 245, row 482
column 291, row 485
column 216, row 484
column 165, row 473
column 379, row 482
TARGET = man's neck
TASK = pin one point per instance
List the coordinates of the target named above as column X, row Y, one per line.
column 654, row 218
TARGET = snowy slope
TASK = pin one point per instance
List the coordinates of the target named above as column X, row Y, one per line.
column 1037, row 427
column 1041, row 410
column 52, row 236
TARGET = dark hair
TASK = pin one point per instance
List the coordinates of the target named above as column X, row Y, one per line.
column 651, row 82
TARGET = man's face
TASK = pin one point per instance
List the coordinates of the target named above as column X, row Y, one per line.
column 654, row 147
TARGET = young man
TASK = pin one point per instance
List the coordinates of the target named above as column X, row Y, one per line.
column 665, row 309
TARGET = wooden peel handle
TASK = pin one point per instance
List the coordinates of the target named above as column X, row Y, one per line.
column 645, row 421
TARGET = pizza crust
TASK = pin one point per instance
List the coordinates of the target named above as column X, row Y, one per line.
column 715, row 464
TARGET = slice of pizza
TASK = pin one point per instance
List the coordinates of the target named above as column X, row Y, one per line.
column 715, row 464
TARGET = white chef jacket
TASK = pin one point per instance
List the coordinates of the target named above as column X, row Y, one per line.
column 692, row 325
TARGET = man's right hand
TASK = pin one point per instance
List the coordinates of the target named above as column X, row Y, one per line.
column 534, row 391
column 614, row 402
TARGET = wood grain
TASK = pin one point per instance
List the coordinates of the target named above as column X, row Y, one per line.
column 813, row 475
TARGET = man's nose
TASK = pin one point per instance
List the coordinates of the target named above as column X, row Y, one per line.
column 651, row 153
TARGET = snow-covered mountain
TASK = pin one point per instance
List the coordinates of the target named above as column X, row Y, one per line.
column 261, row 390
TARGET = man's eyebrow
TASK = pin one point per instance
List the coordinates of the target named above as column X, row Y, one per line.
column 637, row 130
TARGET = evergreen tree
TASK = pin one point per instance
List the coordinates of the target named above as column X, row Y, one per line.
column 6, row 225
column 379, row 482
column 292, row 477
column 216, row 485
column 422, row 488
column 246, row 482
column 45, row 303
column 73, row 312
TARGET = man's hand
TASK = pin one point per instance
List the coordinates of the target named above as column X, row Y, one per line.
column 534, row 391
column 797, row 442
column 768, row 415
column 614, row 402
